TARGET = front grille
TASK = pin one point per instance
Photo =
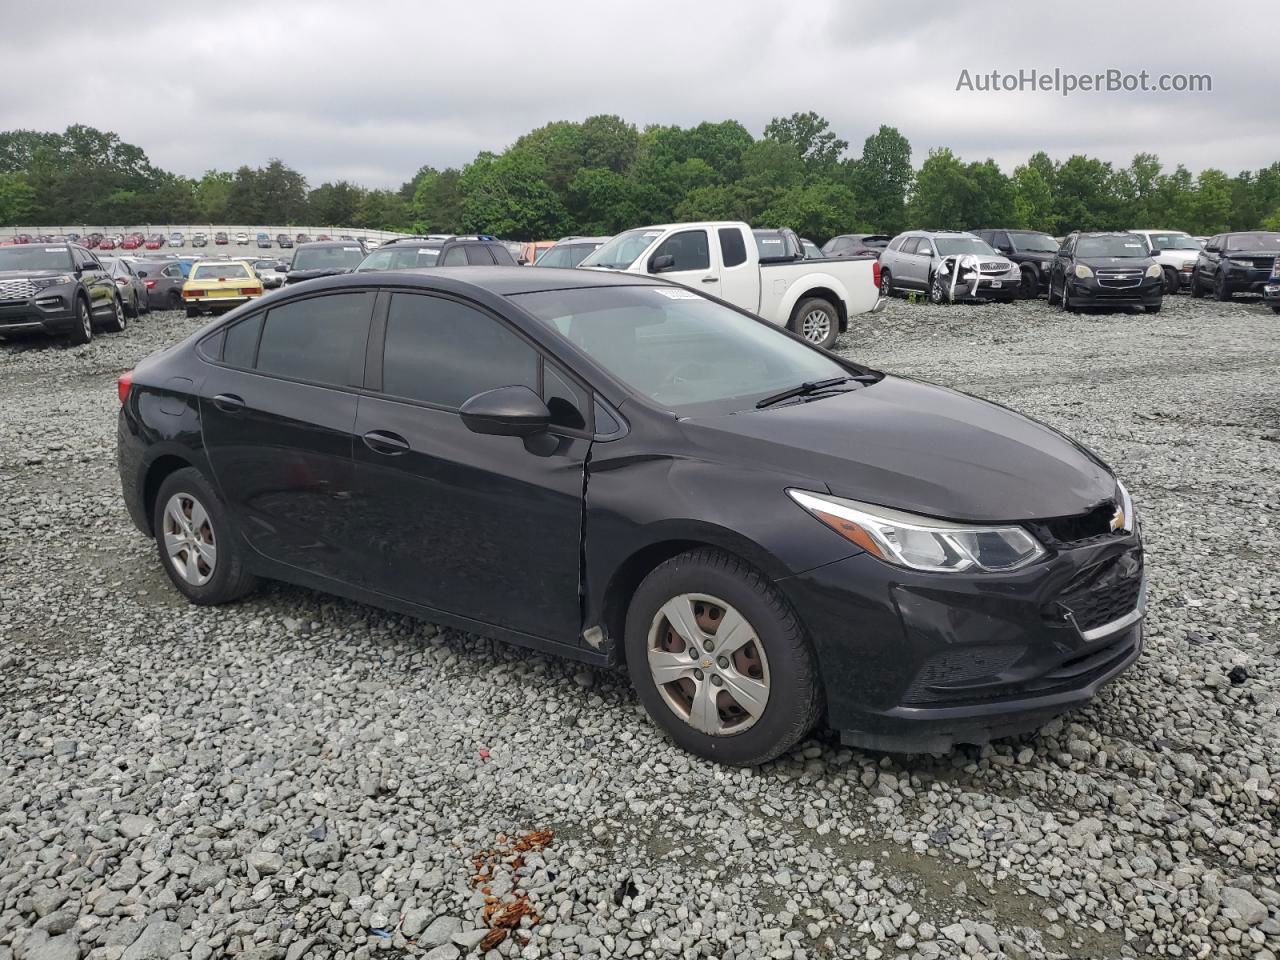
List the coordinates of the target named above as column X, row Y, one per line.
column 993, row 266
column 1264, row 263
column 17, row 289
column 1078, row 530
column 1119, row 278
column 1106, row 595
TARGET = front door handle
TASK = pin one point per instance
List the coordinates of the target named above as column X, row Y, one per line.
column 386, row 442
column 228, row 403
column 710, row 279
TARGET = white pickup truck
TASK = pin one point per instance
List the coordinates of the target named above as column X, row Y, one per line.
column 813, row 298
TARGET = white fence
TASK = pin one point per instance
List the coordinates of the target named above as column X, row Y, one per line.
column 187, row 229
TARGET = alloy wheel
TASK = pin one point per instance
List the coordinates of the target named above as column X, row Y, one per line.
column 708, row 664
column 816, row 326
column 189, row 539
column 86, row 319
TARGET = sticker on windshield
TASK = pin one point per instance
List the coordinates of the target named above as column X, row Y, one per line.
column 351, row 249
column 55, row 249
column 675, row 293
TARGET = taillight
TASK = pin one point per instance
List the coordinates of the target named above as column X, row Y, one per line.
column 150, row 283
column 193, row 293
column 875, row 272
column 250, row 291
column 122, row 386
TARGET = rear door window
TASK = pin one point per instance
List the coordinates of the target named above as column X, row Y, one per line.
column 320, row 339
column 479, row 256
column 454, row 257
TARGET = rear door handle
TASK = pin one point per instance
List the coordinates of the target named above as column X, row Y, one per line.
column 228, row 403
column 386, row 442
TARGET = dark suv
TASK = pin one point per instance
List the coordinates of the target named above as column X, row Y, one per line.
column 56, row 290
column 1031, row 250
column 324, row 258
column 1232, row 263
column 1105, row 270
column 408, row 252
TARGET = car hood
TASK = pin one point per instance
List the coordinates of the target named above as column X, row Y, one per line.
column 918, row 447
column 1116, row 263
column 1251, row 254
column 1036, row 256
column 33, row 274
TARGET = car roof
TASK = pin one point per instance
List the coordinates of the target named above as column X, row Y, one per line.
column 499, row 281
column 328, row 243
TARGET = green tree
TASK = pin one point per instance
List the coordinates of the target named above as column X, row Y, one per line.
column 1033, row 195
column 436, row 206
column 810, row 134
column 335, row 203
column 1085, row 197
column 509, row 196
column 1211, row 203
column 212, row 193
column 17, row 198
column 882, row 179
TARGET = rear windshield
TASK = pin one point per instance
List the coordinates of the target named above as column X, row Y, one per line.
column 31, row 257
column 948, row 246
column 566, row 254
column 220, row 271
column 1254, row 241
column 401, row 258
column 1034, row 243
column 1110, row 247
column 328, row 258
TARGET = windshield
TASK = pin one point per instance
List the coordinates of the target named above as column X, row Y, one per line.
column 400, row 258
column 1034, row 243
column 221, row 271
column 328, row 258
column 1172, row 241
column 566, row 254
column 29, row 257
column 947, row 246
column 1110, row 247
column 679, row 349
column 623, row 250
column 1254, row 241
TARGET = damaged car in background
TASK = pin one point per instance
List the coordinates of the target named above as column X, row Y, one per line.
column 948, row 265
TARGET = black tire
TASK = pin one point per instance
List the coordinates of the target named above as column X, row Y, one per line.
column 1275, row 308
column 1049, row 295
column 117, row 322
column 230, row 580
column 813, row 332
column 1220, row 291
column 1151, row 308
column 131, row 308
column 794, row 700
column 175, row 300
column 938, row 291
column 1029, row 289
column 82, row 332
column 143, row 303
column 1171, row 281
column 1064, row 301
column 886, row 284
column 1196, row 291
column 192, row 312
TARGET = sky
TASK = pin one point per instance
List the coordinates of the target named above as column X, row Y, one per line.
column 370, row 93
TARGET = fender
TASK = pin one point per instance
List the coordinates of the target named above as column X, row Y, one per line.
column 797, row 290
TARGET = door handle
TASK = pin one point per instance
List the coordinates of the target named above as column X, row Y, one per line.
column 228, row 403
column 710, row 279
column 386, row 442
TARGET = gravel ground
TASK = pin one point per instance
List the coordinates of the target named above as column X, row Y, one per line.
column 299, row 776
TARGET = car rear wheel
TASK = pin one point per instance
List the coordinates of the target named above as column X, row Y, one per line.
column 131, row 308
column 175, row 300
column 82, row 332
column 117, row 321
column 192, row 312
column 886, row 283
column 719, row 659
column 197, row 546
column 817, row 321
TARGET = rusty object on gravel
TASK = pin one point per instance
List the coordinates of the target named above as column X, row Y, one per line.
column 504, row 918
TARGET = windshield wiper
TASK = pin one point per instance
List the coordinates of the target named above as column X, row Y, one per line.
column 800, row 390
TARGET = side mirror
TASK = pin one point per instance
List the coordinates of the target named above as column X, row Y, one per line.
column 663, row 262
column 1155, row 252
column 506, row 412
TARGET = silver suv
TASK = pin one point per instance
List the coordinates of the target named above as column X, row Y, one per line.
column 911, row 260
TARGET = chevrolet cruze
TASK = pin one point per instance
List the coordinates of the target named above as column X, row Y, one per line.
column 625, row 471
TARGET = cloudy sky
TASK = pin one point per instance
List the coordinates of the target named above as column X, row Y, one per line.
column 370, row 92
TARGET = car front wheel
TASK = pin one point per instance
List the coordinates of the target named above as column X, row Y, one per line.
column 117, row 321
column 197, row 546
column 719, row 659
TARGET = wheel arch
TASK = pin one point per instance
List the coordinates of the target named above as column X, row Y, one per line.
column 157, row 471
column 829, row 293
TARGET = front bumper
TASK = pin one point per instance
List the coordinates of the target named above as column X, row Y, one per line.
column 1241, row 280
column 1090, row 293
column 208, row 303
column 1271, row 293
column 914, row 662
column 49, row 311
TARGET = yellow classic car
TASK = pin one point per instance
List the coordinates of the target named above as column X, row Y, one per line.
column 219, row 285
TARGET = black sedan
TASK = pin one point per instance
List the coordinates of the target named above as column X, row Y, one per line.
column 1105, row 270
column 1232, row 263
column 618, row 469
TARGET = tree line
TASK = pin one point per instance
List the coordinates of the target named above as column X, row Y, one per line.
column 603, row 175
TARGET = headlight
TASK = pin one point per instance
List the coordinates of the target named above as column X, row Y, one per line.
column 43, row 282
column 1083, row 272
column 922, row 543
column 1154, row 270
column 1128, row 513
